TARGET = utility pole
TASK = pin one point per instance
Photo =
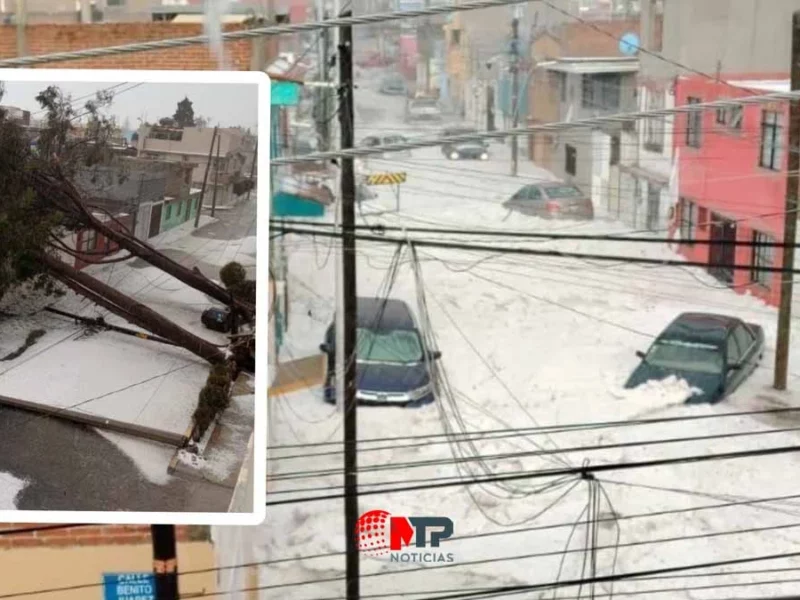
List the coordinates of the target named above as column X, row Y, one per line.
column 426, row 49
column 252, row 172
column 514, row 92
column 165, row 562
column 349, row 309
column 323, row 93
column 216, row 180
column 205, row 179
column 790, row 219
column 21, row 17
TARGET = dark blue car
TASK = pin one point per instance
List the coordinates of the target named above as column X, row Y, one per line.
column 713, row 353
column 393, row 366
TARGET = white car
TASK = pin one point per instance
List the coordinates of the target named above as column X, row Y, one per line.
column 423, row 109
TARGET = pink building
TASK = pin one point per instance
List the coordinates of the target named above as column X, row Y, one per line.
column 732, row 179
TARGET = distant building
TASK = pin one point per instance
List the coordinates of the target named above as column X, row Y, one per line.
column 232, row 154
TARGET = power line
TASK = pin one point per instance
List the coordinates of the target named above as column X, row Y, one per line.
column 582, row 471
column 256, row 32
column 525, row 453
column 533, row 252
column 379, row 229
column 546, row 127
column 546, row 428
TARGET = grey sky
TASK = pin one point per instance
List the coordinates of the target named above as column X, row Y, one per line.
column 225, row 104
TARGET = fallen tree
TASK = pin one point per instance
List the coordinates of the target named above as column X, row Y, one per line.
column 130, row 310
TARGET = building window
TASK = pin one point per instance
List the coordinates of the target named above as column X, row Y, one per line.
column 115, row 2
column 168, row 213
column 601, row 91
column 90, row 240
column 562, row 86
column 654, row 126
column 694, row 123
column 730, row 117
column 615, row 150
column 455, row 37
column 771, row 127
column 762, row 259
column 571, row 159
column 688, row 220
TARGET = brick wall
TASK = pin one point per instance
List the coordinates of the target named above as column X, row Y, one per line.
column 94, row 535
column 49, row 38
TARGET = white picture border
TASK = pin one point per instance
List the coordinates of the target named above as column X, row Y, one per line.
column 259, row 472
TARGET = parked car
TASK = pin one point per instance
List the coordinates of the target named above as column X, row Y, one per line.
column 423, row 109
column 393, row 365
column 384, row 140
column 217, row 319
column 447, row 149
column 466, row 150
column 394, row 86
column 713, row 353
column 554, row 200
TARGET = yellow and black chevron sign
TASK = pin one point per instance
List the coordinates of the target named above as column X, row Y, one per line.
column 386, row 178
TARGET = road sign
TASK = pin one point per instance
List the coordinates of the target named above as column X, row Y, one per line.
column 129, row 586
column 386, row 179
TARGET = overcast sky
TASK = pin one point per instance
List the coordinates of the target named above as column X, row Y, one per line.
column 224, row 104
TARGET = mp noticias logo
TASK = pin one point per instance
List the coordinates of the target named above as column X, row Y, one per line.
column 404, row 539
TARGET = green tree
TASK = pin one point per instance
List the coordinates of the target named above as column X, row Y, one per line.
column 184, row 114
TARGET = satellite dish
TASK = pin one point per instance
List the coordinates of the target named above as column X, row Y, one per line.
column 629, row 44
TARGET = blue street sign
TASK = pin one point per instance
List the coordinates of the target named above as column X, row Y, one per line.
column 129, row 586
column 629, row 44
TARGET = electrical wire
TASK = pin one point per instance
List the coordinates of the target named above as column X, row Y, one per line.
column 600, row 468
column 532, row 129
column 534, row 252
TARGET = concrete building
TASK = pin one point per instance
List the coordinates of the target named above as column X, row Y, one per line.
column 581, row 73
column 732, row 164
column 78, row 557
column 192, row 144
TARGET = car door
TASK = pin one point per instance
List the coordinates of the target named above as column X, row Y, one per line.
column 532, row 200
column 733, row 357
column 748, row 347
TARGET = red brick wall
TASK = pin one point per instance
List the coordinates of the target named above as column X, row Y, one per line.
column 93, row 535
column 49, row 38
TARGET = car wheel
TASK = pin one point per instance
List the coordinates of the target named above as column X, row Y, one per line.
column 454, row 156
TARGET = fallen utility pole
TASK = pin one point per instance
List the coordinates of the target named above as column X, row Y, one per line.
column 81, row 418
column 165, row 562
column 790, row 219
column 514, row 93
column 349, row 310
column 205, row 178
column 101, row 323
column 216, row 181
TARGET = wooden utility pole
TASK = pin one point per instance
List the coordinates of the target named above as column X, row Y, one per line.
column 790, row 219
column 205, row 178
column 252, row 171
column 323, row 112
column 165, row 562
column 216, row 181
column 21, row 18
column 349, row 308
column 514, row 93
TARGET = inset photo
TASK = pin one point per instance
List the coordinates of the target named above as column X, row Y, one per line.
column 129, row 376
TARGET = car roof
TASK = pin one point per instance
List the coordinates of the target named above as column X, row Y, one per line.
column 700, row 327
column 381, row 313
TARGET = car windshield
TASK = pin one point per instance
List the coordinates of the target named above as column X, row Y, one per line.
column 686, row 356
column 399, row 346
column 562, row 191
column 424, row 103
